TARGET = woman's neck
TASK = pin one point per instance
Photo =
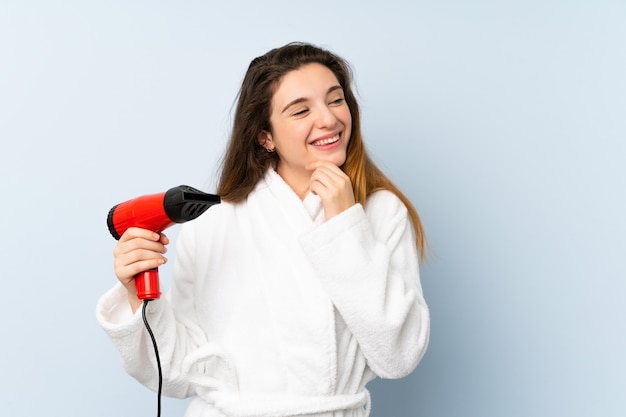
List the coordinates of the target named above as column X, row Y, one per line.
column 298, row 181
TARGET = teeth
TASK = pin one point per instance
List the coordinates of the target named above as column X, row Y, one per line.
column 328, row 141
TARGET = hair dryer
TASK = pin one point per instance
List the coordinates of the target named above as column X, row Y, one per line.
column 157, row 212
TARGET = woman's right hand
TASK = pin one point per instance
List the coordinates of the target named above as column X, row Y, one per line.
column 138, row 250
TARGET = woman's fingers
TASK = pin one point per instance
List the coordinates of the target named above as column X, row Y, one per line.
column 333, row 186
column 138, row 250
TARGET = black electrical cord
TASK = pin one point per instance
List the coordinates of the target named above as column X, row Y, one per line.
column 156, row 353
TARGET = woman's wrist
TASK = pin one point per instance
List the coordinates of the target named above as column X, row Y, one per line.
column 134, row 302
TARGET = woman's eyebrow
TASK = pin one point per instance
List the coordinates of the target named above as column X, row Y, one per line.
column 296, row 101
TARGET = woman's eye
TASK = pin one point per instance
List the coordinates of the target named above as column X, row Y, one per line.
column 300, row 112
column 338, row 101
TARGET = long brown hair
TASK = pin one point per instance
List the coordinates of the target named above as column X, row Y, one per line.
column 246, row 161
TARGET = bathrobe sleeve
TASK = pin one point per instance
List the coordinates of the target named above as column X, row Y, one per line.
column 367, row 261
column 176, row 332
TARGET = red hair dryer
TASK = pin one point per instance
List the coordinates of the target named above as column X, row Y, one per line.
column 157, row 212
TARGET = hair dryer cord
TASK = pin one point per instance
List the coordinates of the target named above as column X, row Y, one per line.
column 156, row 353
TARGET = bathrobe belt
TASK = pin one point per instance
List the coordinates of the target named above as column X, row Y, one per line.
column 223, row 392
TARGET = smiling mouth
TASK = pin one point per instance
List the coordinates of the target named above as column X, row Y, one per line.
column 328, row 141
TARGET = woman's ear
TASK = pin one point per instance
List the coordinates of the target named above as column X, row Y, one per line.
column 265, row 140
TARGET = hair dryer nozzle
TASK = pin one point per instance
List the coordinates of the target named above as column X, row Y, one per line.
column 184, row 203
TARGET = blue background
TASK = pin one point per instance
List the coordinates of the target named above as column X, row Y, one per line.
column 504, row 122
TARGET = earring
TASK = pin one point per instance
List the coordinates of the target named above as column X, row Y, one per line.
column 270, row 150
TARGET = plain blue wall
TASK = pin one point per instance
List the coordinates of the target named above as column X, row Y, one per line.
column 504, row 121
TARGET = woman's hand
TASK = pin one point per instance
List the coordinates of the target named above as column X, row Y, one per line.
column 333, row 186
column 138, row 250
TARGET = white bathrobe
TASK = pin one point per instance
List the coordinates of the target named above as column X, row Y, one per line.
column 275, row 312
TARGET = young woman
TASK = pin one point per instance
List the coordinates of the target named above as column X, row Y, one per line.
column 303, row 285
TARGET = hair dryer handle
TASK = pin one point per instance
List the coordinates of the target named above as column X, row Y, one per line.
column 147, row 284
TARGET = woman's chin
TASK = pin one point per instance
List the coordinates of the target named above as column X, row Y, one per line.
column 337, row 159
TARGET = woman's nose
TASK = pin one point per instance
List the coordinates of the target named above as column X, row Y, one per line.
column 326, row 117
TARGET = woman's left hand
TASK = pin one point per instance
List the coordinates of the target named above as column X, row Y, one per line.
column 333, row 186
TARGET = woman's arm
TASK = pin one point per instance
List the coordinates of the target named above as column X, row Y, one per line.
column 175, row 332
column 368, row 263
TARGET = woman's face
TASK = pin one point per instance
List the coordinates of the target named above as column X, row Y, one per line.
column 310, row 121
